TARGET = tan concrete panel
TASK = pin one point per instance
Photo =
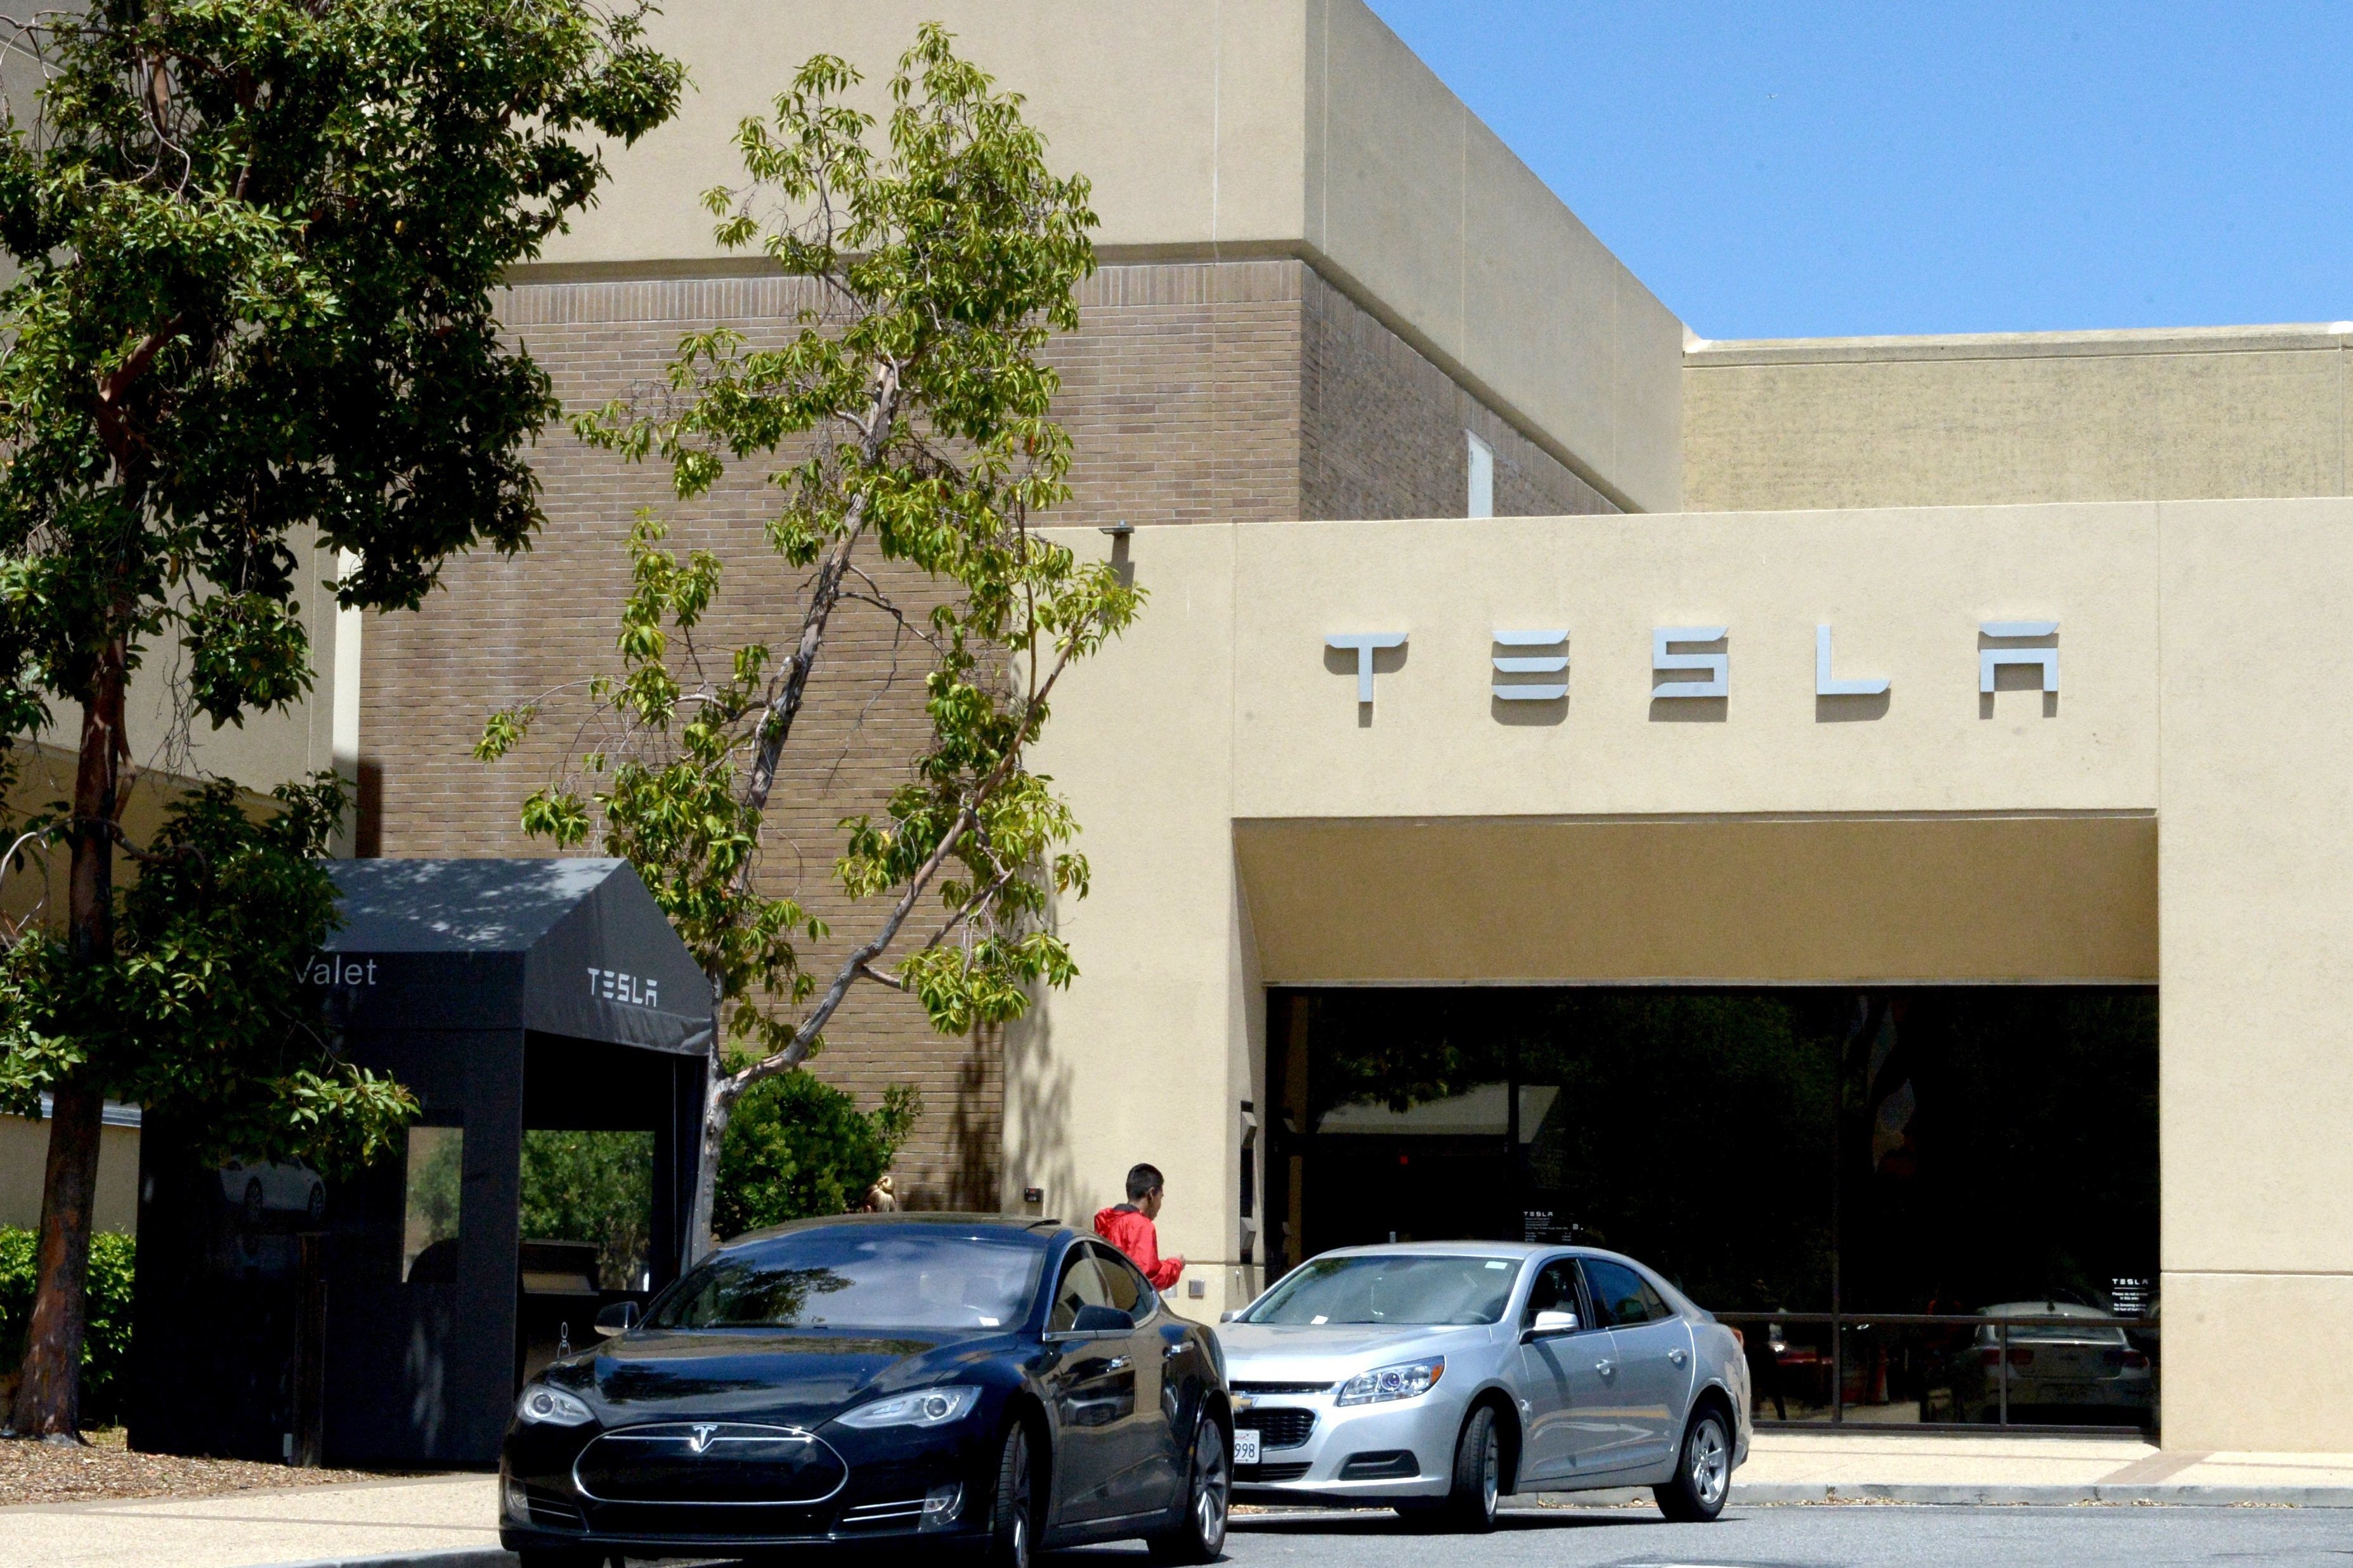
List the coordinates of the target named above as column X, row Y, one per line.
column 1647, row 396
column 1906, row 593
column 1387, row 199
column 1827, row 901
column 2257, row 1086
column 1130, row 95
column 1138, row 1059
column 2249, row 1364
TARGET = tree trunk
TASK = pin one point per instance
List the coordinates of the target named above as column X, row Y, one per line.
column 48, row 1393
column 717, row 1104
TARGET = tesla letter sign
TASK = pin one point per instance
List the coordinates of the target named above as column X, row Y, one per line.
column 1533, row 667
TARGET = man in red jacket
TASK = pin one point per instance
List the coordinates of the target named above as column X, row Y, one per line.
column 1128, row 1227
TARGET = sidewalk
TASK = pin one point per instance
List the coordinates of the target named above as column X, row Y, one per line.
column 1809, row 1467
column 454, row 1515
column 304, row 1524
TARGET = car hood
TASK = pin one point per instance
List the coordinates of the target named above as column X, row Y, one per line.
column 797, row 1376
column 1286, row 1352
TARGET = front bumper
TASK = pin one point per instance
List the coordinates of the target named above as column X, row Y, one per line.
column 891, row 1472
column 1351, row 1453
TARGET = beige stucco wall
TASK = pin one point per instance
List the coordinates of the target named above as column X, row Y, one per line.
column 2193, row 414
column 24, row 1158
column 268, row 748
column 2176, row 811
column 1228, row 128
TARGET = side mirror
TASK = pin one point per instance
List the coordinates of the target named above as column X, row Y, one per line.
column 618, row 1319
column 1227, row 1317
column 1549, row 1325
column 1102, row 1321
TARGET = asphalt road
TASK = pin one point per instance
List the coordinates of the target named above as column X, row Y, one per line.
column 1859, row 1536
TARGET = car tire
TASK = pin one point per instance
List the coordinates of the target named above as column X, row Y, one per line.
column 1013, row 1507
column 1703, row 1471
column 1470, row 1505
column 1199, row 1535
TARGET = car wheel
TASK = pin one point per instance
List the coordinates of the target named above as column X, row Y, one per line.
column 1013, row 1517
column 1470, row 1505
column 1702, row 1475
column 256, row 1204
column 1200, row 1536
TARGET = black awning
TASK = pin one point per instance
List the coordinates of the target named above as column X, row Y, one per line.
column 573, row 947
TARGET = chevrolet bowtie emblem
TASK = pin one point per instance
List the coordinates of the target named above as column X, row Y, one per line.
column 701, row 1439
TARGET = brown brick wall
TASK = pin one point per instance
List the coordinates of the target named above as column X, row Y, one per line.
column 1193, row 393
column 1381, row 429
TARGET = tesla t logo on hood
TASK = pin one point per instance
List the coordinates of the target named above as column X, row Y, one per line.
column 701, row 1438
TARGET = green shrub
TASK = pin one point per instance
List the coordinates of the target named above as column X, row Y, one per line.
column 106, row 1348
column 797, row 1146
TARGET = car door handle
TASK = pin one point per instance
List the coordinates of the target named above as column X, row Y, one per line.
column 1606, row 1368
column 1116, row 1363
column 1679, row 1357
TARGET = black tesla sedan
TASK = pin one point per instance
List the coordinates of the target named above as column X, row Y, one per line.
column 974, row 1379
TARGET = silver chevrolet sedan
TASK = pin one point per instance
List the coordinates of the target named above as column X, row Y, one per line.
column 1436, row 1376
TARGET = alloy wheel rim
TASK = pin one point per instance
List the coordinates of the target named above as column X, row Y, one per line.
column 1707, row 1468
column 1209, row 1497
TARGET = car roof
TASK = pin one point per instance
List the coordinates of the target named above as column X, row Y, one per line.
column 1447, row 1250
column 992, row 1227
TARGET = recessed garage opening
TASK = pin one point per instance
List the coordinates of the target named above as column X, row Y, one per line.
column 1934, row 1204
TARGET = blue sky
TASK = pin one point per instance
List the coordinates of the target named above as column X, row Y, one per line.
column 1802, row 170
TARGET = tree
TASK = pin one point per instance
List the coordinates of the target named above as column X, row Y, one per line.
column 257, row 241
column 796, row 1147
column 911, row 413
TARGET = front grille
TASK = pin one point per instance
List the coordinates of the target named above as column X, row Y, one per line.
column 708, row 1462
column 1281, row 1428
column 549, row 1511
column 722, row 1527
column 1246, row 1473
column 1280, row 1387
column 1381, row 1465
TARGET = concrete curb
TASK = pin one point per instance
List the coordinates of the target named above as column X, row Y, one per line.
column 451, row 1557
column 2187, row 1495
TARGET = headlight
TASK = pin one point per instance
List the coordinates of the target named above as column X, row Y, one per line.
column 1403, row 1381
column 924, row 1407
column 541, row 1405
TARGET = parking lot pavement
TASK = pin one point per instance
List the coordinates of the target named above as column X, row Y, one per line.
column 1840, row 1536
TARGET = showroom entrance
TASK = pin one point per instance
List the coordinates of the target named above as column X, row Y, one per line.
column 1934, row 1203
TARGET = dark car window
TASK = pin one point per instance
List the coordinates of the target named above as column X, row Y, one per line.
column 1417, row 1288
column 860, row 1277
column 1555, row 1291
column 1622, row 1297
column 1129, row 1290
column 1082, row 1284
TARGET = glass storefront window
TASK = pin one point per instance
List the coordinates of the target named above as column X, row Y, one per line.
column 1894, row 1195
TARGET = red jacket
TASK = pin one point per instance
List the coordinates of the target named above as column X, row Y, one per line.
column 1124, row 1226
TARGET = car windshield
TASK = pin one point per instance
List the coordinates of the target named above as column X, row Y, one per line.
column 1408, row 1287
column 860, row 1277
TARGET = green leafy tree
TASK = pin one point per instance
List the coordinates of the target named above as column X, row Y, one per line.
column 255, row 243
column 595, row 1185
column 797, row 1146
column 907, row 419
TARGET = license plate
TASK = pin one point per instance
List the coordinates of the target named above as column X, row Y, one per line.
column 1245, row 1446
